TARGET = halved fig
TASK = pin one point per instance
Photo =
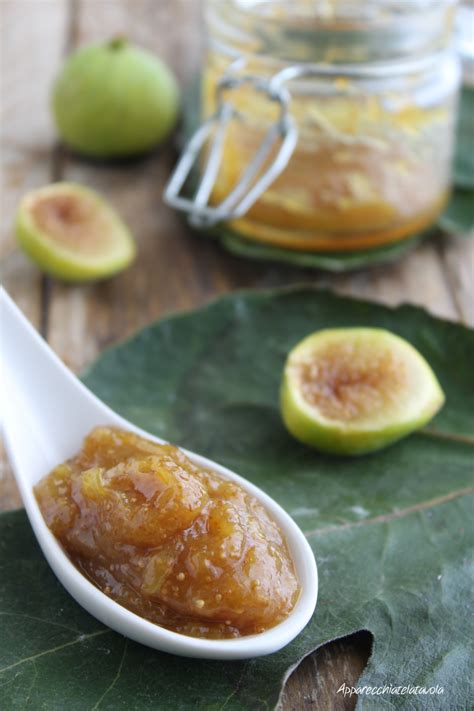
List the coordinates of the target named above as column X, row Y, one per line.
column 355, row 390
column 72, row 233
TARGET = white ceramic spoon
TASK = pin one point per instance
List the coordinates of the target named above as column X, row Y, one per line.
column 46, row 414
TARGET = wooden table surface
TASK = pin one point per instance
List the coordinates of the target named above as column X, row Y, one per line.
column 175, row 270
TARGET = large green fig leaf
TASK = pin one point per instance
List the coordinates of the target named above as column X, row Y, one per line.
column 458, row 217
column 464, row 154
column 329, row 261
column 392, row 532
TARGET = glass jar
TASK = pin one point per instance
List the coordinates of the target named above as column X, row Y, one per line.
column 373, row 98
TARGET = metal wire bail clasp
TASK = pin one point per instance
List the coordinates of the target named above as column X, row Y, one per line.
column 253, row 182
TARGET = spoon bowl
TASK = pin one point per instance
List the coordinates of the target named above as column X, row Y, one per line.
column 47, row 414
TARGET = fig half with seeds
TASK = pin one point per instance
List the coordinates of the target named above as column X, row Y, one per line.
column 356, row 390
column 72, row 233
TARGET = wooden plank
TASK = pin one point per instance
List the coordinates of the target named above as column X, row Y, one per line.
column 32, row 40
column 32, row 36
column 314, row 685
column 457, row 255
column 419, row 278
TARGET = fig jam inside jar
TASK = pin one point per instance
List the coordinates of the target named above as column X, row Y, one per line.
column 374, row 106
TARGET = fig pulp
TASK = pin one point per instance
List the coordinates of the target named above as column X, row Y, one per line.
column 355, row 390
column 72, row 233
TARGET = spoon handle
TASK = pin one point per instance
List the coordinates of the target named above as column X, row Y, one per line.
column 41, row 395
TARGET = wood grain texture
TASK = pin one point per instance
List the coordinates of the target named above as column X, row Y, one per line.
column 32, row 43
column 457, row 255
column 175, row 269
column 314, row 684
column 31, row 48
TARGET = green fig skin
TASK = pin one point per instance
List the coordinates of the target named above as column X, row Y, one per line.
column 114, row 101
column 349, row 439
column 62, row 262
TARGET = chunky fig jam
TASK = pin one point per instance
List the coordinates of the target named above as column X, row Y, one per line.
column 174, row 543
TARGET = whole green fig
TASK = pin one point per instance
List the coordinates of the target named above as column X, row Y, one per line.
column 114, row 100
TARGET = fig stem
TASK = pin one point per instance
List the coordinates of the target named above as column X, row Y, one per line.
column 118, row 42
